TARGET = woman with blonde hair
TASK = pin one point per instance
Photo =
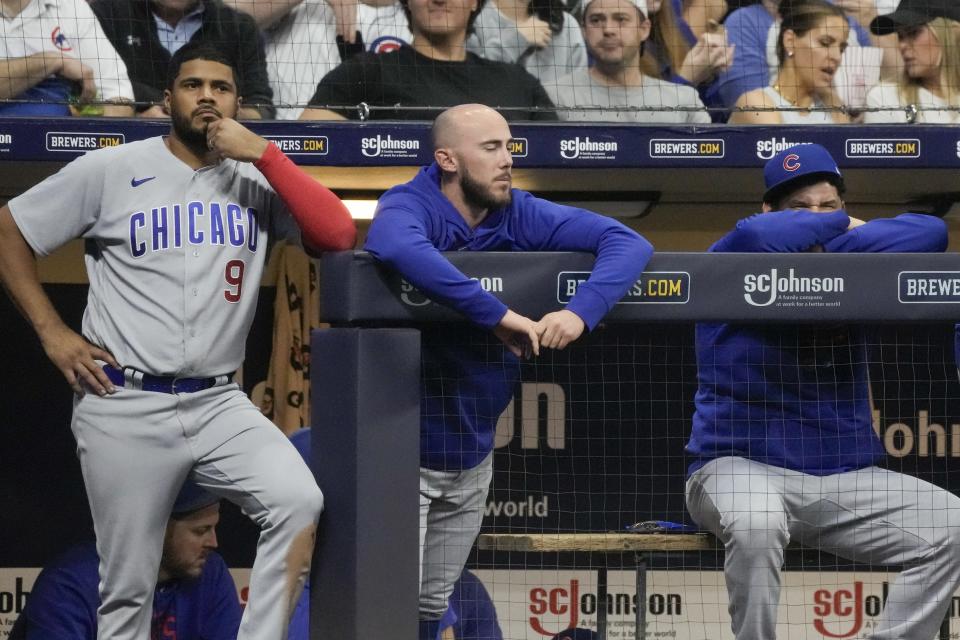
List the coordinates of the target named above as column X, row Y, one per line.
column 810, row 46
column 929, row 88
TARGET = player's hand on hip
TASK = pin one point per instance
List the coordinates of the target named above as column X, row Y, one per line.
column 76, row 358
column 519, row 333
column 232, row 140
column 559, row 328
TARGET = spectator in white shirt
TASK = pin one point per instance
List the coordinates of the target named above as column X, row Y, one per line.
column 306, row 39
column 53, row 52
column 928, row 89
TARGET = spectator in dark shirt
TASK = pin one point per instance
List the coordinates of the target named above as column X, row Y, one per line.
column 434, row 71
column 146, row 33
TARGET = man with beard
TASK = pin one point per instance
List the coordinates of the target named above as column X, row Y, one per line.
column 464, row 202
column 195, row 596
column 615, row 32
column 177, row 229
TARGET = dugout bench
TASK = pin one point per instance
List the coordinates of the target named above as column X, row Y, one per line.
column 599, row 546
column 365, row 569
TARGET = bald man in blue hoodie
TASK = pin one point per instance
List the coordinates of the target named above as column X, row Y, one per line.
column 464, row 201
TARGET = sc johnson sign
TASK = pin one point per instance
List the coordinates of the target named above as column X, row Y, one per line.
column 389, row 147
column 685, row 604
column 790, row 290
column 587, row 149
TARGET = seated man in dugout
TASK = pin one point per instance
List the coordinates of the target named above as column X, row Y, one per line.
column 436, row 71
column 615, row 89
column 783, row 447
column 195, row 595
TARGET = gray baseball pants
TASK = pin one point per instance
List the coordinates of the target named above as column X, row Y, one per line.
column 871, row 516
column 137, row 447
column 451, row 510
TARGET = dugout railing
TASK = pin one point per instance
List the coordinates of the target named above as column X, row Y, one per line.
column 366, row 385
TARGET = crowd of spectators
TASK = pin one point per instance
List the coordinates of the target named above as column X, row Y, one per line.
column 637, row 61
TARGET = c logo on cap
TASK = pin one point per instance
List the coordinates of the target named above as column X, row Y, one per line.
column 791, row 162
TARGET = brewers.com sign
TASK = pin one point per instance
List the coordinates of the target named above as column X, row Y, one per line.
column 663, row 287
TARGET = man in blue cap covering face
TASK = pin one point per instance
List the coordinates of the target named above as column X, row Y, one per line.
column 783, row 447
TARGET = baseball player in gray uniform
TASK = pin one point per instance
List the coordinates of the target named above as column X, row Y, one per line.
column 177, row 229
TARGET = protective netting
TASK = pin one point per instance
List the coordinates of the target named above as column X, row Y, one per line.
column 593, row 442
column 634, row 61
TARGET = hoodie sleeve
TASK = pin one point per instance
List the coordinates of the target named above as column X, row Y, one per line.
column 400, row 238
column 783, row 232
column 906, row 233
column 621, row 253
column 63, row 601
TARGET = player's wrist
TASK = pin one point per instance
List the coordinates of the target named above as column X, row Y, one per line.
column 266, row 153
column 260, row 146
column 49, row 328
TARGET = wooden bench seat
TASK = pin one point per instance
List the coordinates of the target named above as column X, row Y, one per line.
column 600, row 542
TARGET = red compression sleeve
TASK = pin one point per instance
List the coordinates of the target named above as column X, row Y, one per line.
column 324, row 220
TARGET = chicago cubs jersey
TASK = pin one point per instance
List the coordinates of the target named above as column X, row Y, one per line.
column 383, row 28
column 66, row 27
column 301, row 47
column 174, row 256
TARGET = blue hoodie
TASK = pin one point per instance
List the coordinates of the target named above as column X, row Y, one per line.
column 794, row 396
column 468, row 376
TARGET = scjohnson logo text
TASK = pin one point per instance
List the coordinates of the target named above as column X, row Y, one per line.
column 766, row 149
column 840, row 613
column 586, row 148
column 763, row 289
column 387, row 145
column 566, row 605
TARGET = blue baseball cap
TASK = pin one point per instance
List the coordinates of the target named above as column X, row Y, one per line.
column 192, row 498
column 799, row 161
